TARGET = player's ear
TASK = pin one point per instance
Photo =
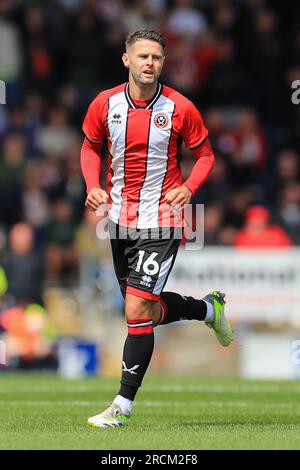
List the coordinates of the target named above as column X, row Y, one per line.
column 125, row 59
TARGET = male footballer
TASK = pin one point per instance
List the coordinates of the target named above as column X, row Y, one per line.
column 144, row 123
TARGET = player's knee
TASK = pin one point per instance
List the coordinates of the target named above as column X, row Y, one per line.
column 137, row 307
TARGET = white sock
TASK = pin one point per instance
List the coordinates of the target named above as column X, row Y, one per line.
column 124, row 404
column 210, row 315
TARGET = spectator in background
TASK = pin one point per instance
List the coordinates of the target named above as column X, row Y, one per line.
column 12, row 169
column 23, row 265
column 36, row 207
column 264, row 55
column 56, row 136
column 212, row 224
column 206, row 55
column 140, row 15
column 18, row 123
column 236, row 208
column 74, row 186
column 251, row 142
column 182, row 68
column 215, row 119
column 52, row 178
column 185, row 20
column 40, row 70
column 288, row 167
column 10, row 54
column 33, row 107
column 258, row 231
column 114, row 38
column 72, row 6
column 225, row 17
column 61, row 254
column 218, row 187
column 288, row 209
column 85, row 48
column 93, row 252
column 249, row 155
column 111, row 11
column 227, row 81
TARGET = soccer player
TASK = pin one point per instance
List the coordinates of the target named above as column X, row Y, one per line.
column 144, row 123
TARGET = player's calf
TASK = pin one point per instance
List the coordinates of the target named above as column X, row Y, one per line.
column 176, row 307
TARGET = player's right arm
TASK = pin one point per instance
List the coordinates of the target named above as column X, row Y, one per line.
column 90, row 166
column 90, row 158
column 95, row 197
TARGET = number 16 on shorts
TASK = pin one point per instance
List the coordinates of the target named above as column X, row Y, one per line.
column 149, row 265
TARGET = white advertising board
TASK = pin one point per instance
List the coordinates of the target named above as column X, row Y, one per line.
column 259, row 285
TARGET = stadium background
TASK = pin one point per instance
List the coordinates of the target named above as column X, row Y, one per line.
column 60, row 307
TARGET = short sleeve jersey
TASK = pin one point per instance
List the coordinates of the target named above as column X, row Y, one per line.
column 144, row 142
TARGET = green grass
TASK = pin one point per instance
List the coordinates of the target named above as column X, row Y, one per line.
column 45, row 412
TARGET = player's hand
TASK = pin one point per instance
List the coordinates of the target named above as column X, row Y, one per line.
column 96, row 197
column 177, row 197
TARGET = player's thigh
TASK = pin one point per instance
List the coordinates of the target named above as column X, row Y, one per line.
column 150, row 261
column 118, row 247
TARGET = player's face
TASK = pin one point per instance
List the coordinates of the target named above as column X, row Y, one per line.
column 145, row 60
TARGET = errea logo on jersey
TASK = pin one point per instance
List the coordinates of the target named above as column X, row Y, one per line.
column 146, row 280
column 116, row 118
column 161, row 120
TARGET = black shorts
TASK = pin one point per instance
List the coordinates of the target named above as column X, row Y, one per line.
column 143, row 264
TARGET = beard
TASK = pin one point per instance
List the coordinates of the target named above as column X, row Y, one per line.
column 143, row 79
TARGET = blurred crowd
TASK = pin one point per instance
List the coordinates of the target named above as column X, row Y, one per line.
column 235, row 59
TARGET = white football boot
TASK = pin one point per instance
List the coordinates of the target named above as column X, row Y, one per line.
column 112, row 417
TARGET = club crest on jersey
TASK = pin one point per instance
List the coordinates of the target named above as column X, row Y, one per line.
column 161, row 120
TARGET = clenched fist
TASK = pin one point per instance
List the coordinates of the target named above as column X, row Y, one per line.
column 177, row 197
column 96, row 197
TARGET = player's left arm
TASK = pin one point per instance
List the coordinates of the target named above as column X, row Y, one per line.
column 205, row 161
column 195, row 136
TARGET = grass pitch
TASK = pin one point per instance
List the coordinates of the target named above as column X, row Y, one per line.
column 46, row 412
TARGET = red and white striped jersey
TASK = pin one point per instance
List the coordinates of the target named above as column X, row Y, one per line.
column 144, row 142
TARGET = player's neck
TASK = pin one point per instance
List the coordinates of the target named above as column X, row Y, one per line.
column 141, row 92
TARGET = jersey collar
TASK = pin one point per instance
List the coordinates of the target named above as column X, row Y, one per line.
column 151, row 102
